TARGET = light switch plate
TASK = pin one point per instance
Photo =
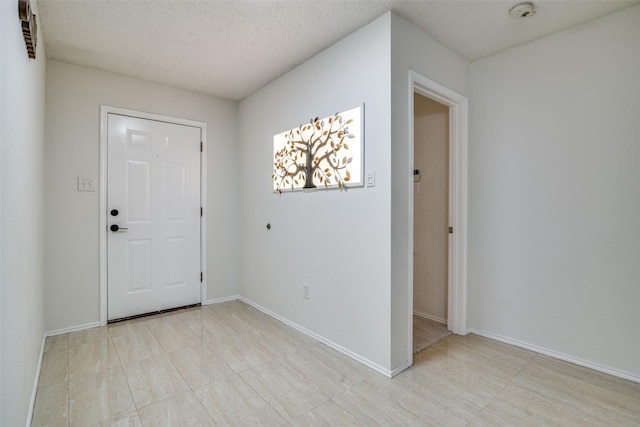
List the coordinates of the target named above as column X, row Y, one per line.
column 371, row 178
column 86, row 184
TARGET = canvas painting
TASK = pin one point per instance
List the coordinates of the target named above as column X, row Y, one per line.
column 324, row 153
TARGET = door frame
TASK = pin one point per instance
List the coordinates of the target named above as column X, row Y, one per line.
column 105, row 110
column 458, row 204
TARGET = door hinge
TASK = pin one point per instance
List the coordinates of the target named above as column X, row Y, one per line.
column 201, row 210
column 201, row 277
column 201, row 146
column 450, row 230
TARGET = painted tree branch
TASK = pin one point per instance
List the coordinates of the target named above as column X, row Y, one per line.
column 301, row 159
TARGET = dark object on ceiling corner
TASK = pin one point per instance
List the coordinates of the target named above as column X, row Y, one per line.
column 29, row 27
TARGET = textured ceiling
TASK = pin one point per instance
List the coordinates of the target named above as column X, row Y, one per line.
column 232, row 48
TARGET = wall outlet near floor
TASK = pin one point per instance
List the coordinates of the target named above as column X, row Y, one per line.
column 306, row 290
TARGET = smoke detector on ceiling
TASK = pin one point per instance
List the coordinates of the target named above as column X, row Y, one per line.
column 522, row 10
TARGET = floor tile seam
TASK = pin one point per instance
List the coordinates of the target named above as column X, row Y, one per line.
column 428, row 387
column 277, row 359
column 169, row 324
column 466, row 401
column 101, row 421
column 117, row 416
column 572, row 406
column 624, row 415
column 164, row 349
column 204, row 408
column 396, row 400
column 128, row 333
column 284, row 418
column 87, row 343
column 181, row 374
column 115, row 348
column 594, row 401
column 126, row 378
column 574, row 380
column 282, row 360
column 326, row 366
column 419, row 413
column 137, row 410
column 310, row 410
column 342, row 388
column 81, row 376
column 632, row 421
column 466, row 361
column 136, row 360
column 53, row 384
column 474, row 354
column 506, row 385
column 201, row 401
column 567, row 377
column 475, row 417
column 478, row 407
column 355, row 417
column 39, row 389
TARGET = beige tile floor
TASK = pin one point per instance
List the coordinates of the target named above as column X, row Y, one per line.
column 229, row 364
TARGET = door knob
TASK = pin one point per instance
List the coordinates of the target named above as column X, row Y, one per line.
column 116, row 227
column 114, row 212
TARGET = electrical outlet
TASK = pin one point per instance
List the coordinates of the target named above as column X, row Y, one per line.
column 306, row 288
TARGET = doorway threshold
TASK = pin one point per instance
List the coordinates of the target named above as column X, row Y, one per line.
column 152, row 313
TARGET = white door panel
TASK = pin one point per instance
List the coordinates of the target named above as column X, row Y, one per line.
column 153, row 180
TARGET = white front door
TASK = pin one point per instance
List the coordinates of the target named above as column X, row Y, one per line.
column 153, row 216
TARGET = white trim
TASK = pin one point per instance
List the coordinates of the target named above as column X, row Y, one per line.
column 219, row 300
column 458, row 189
column 34, row 392
column 32, row 404
column 73, row 329
column 105, row 110
column 430, row 317
column 368, row 363
column 203, row 219
column 556, row 355
column 401, row 368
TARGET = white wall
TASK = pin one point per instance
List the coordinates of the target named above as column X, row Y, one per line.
column 431, row 208
column 22, row 93
column 338, row 242
column 74, row 96
column 411, row 49
column 554, row 251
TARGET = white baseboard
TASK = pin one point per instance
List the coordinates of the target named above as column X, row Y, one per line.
column 37, row 378
column 219, row 300
column 556, row 355
column 32, row 404
column 401, row 368
column 72, row 329
column 368, row 363
column 430, row 317
column 97, row 324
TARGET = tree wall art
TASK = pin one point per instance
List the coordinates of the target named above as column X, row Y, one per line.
column 324, row 153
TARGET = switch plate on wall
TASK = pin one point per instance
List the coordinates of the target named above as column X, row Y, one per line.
column 86, row 184
column 371, row 178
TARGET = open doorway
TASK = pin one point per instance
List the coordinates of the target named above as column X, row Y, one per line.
column 456, row 278
column 430, row 222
